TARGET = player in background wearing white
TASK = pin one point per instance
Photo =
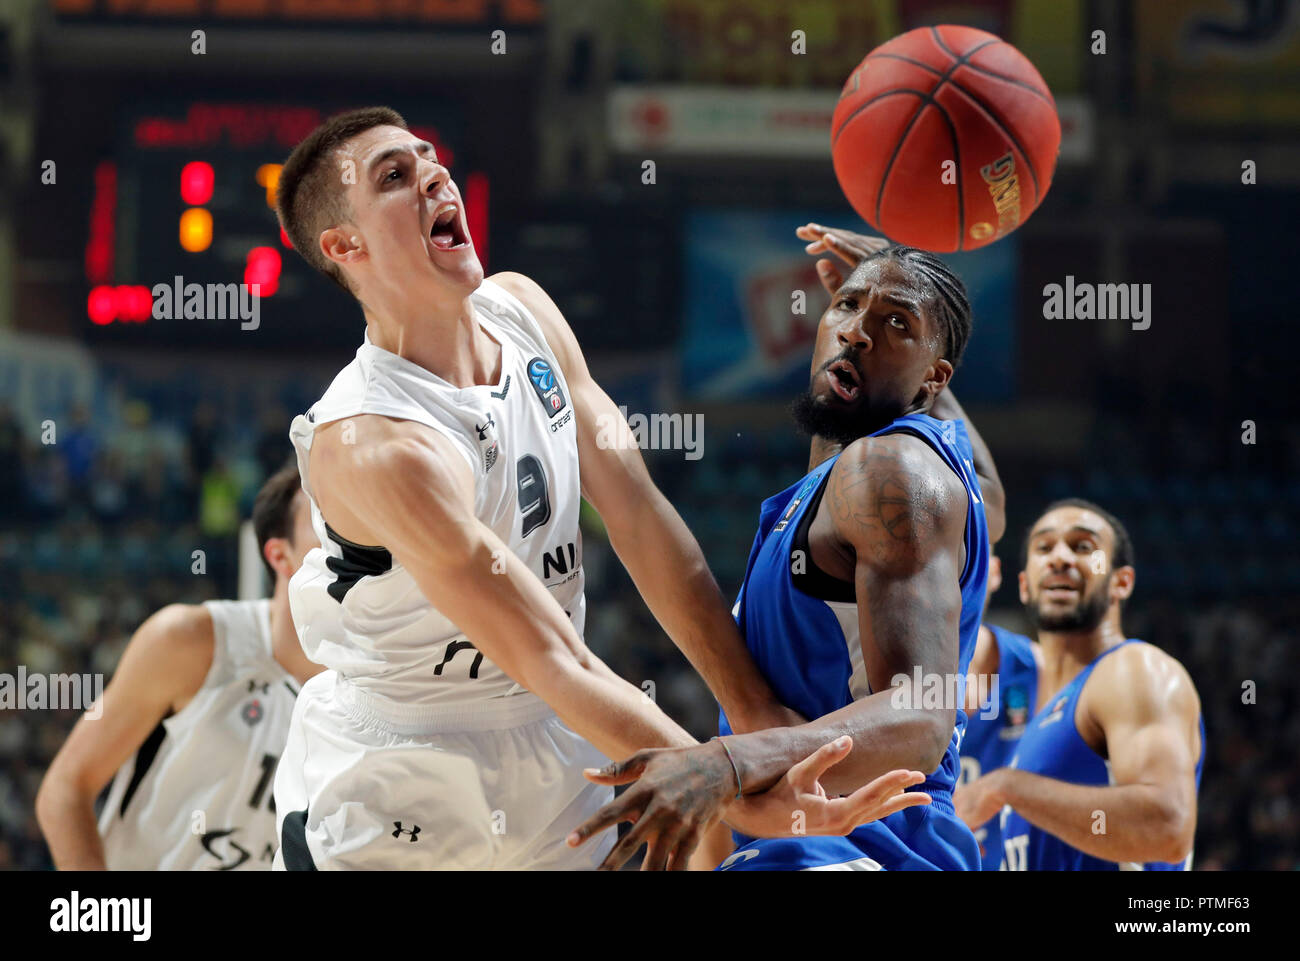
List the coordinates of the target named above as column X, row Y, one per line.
column 193, row 724
column 446, row 466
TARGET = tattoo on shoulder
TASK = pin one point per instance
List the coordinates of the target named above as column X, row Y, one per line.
column 887, row 502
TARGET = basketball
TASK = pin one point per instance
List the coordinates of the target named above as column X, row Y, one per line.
column 945, row 138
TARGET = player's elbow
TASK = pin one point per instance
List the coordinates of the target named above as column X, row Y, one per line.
column 1174, row 831
column 544, row 670
column 58, row 790
column 933, row 735
column 1174, row 848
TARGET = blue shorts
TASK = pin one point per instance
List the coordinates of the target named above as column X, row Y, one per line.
column 928, row 838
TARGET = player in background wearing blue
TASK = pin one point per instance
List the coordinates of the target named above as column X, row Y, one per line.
column 1106, row 774
column 865, row 585
column 1001, row 695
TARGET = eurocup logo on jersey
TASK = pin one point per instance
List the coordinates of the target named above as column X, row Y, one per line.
column 1015, row 706
column 794, row 504
column 544, row 382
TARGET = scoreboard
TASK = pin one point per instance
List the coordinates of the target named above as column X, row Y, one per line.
column 188, row 198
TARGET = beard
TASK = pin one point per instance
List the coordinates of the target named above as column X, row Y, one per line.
column 842, row 426
column 1087, row 614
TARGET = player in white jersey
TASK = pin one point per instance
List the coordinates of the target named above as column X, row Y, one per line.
column 446, row 465
column 193, row 724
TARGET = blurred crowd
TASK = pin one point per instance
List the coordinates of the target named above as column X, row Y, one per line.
column 100, row 528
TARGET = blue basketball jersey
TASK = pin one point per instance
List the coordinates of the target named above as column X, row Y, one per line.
column 1052, row 746
column 808, row 649
column 993, row 732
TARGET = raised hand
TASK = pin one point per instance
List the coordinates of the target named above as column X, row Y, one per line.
column 798, row 804
column 850, row 247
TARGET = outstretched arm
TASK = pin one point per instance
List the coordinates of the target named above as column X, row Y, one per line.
column 901, row 512
column 650, row 538
column 404, row 486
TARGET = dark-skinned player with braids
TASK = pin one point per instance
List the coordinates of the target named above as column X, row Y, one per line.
column 862, row 596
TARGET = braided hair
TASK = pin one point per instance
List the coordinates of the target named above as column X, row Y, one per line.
column 948, row 296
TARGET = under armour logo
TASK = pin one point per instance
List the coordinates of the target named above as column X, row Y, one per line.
column 482, row 431
column 253, row 685
column 399, row 831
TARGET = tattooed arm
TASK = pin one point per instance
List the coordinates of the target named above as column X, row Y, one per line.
column 899, row 515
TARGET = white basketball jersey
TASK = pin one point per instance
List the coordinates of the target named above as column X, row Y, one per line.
column 361, row 613
column 197, row 794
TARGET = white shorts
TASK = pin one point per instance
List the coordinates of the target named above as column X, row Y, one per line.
column 485, row 785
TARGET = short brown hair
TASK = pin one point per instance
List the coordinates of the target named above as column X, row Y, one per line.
column 309, row 198
column 273, row 509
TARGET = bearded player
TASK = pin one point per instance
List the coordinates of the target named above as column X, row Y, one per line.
column 866, row 572
column 1106, row 774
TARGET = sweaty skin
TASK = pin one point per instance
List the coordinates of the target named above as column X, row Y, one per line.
column 1138, row 709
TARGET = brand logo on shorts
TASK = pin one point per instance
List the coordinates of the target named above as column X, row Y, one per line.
column 546, row 385
column 414, row 832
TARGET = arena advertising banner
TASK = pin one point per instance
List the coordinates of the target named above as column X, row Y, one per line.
column 753, row 302
column 1220, row 62
column 443, row 13
column 817, row 43
column 725, row 122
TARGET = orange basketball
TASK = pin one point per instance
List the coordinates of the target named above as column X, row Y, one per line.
column 945, row 138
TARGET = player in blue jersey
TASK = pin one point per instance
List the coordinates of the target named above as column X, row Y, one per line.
column 1106, row 774
column 861, row 602
column 1001, row 695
